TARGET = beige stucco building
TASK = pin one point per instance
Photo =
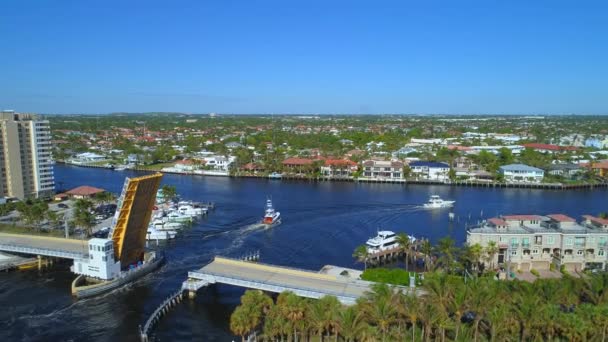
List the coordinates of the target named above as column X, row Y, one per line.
column 26, row 164
column 535, row 242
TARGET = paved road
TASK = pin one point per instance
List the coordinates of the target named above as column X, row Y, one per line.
column 33, row 241
column 286, row 277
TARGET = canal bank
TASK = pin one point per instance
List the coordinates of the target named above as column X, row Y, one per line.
column 322, row 224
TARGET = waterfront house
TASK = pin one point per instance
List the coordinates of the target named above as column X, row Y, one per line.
column 430, row 170
column 338, row 168
column 87, row 158
column 535, row 242
column 298, row 165
column 252, row 167
column 565, row 170
column 383, row 169
column 520, row 173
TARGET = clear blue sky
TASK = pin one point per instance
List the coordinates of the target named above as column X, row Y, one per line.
column 289, row 56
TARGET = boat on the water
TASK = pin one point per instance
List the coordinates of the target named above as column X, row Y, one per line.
column 383, row 241
column 271, row 216
column 155, row 234
column 436, row 202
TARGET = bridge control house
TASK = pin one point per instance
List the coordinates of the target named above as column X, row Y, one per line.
column 101, row 263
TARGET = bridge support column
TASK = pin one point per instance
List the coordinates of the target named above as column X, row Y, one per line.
column 39, row 262
column 191, row 294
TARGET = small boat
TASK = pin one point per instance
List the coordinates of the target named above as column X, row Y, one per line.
column 175, row 216
column 190, row 210
column 164, row 224
column 154, row 234
column 271, row 216
column 275, row 175
column 383, row 241
column 120, row 168
column 436, row 202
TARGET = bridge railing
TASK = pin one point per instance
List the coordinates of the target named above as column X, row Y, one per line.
column 274, row 266
column 42, row 251
column 272, row 286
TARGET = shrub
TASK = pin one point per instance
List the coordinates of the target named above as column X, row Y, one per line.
column 535, row 272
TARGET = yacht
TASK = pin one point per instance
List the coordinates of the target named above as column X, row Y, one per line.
column 385, row 240
column 271, row 216
column 436, row 202
column 189, row 210
column 154, row 234
column 164, row 224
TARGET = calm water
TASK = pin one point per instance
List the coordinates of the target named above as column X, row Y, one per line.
column 322, row 224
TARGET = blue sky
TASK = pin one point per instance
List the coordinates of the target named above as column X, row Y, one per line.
column 328, row 56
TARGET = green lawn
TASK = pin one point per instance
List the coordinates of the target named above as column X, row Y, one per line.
column 155, row 167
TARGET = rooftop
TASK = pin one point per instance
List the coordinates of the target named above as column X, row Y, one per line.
column 520, row 167
column 84, row 190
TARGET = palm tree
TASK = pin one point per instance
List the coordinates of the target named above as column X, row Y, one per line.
column 499, row 320
column 412, row 309
column 476, row 251
column 491, row 250
column 352, row 323
column 427, row 250
column 257, row 304
column 446, row 249
column 482, row 300
column 362, row 254
column 294, row 309
column 382, row 314
column 405, row 245
column 239, row 322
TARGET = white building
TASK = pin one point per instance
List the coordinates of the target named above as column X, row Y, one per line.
column 101, row 263
column 535, row 242
column 430, row 170
column 520, row 173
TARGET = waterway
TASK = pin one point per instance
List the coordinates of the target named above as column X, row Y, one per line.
column 322, row 224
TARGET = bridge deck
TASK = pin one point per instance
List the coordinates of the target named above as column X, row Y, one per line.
column 277, row 279
column 42, row 245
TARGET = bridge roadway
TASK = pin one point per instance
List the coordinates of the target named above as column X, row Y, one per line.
column 43, row 245
column 276, row 279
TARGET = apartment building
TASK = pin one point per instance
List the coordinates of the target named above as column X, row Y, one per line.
column 535, row 241
column 520, row 173
column 26, row 165
column 430, row 170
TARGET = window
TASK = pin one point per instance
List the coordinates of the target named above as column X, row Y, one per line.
column 525, row 241
column 550, row 240
column 535, row 251
column 579, row 252
column 514, row 252
column 600, row 252
column 569, row 241
column 514, row 241
column 104, row 258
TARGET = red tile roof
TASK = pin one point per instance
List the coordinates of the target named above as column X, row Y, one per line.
column 84, row 190
column 596, row 219
column 561, row 218
column 497, row 222
column 297, row 161
column 339, row 162
column 521, row 217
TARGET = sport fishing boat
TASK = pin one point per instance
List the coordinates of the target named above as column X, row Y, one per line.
column 436, row 202
column 385, row 240
column 155, row 234
column 271, row 216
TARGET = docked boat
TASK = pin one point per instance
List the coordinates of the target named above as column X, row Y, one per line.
column 155, row 234
column 164, row 224
column 275, row 175
column 120, row 168
column 271, row 216
column 176, row 216
column 436, row 202
column 189, row 210
column 385, row 240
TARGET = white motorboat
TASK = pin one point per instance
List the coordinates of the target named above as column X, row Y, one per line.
column 164, row 224
column 275, row 175
column 271, row 216
column 189, row 210
column 176, row 216
column 385, row 240
column 154, row 234
column 436, row 202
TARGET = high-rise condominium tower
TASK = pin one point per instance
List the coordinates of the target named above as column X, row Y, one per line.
column 26, row 164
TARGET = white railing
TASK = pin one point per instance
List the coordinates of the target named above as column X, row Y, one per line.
column 43, row 251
